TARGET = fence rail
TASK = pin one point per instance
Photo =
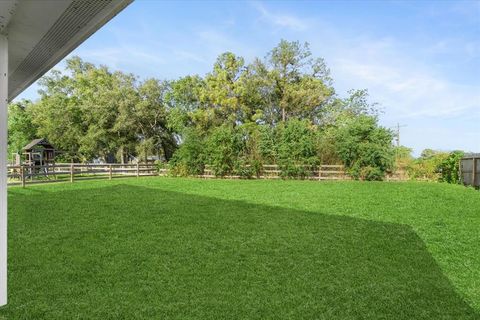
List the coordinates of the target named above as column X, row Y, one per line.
column 273, row 171
column 24, row 174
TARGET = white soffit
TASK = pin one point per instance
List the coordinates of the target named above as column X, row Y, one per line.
column 42, row 32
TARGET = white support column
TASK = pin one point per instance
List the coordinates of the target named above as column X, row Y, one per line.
column 3, row 167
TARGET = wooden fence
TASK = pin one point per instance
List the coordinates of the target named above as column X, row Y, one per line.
column 321, row 172
column 24, row 174
column 273, row 171
column 470, row 170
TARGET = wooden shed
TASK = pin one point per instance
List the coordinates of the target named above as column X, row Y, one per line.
column 470, row 169
column 39, row 152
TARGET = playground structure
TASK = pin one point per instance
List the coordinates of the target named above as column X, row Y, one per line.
column 39, row 152
column 38, row 158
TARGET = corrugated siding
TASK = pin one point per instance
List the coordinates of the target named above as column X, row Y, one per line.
column 466, row 167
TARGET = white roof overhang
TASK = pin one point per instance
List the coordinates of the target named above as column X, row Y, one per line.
column 42, row 32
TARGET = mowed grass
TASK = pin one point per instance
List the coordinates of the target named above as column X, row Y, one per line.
column 165, row 248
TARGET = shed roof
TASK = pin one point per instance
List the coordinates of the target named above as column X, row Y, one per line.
column 42, row 142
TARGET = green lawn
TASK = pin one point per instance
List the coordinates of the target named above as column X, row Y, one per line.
column 165, row 248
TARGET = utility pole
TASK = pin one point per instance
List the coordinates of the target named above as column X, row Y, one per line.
column 397, row 139
column 397, row 133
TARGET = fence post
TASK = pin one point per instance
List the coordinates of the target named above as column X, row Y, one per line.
column 71, row 173
column 460, row 173
column 110, row 172
column 474, row 170
column 22, row 174
column 138, row 170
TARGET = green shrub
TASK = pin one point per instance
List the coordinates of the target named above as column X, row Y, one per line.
column 224, row 148
column 296, row 142
column 267, row 143
column 365, row 148
column 426, row 167
column 294, row 145
column 448, row 169
column 189, row 158
column 371, row 174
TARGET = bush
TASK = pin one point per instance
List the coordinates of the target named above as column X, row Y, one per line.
column 426, row 167
column 224, row 149
column 371, row 174
column 296, row 142
column 448, row 169
column 365, row 148
column 267, row 143
column 189, row 158
column 294, row 145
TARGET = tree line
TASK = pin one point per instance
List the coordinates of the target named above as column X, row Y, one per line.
column 281, row 109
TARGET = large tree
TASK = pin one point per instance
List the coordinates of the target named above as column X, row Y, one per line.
column 90, row 112
column 21, row 129
column 150, row 118
column 301, row 84
column 58, row 114
column 282, row 109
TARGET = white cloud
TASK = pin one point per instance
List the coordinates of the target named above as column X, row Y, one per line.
column 409, row 93
column 187, row 55
column 466, row 49
column 212, row 42
column 405, row 87
column 283, row 20
column 120, row 55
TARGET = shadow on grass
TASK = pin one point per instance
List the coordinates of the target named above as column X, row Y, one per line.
column 128, row 252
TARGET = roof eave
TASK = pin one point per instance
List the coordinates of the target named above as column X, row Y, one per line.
column 19, row 80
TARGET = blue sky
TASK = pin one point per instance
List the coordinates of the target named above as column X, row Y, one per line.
column 419, row 59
